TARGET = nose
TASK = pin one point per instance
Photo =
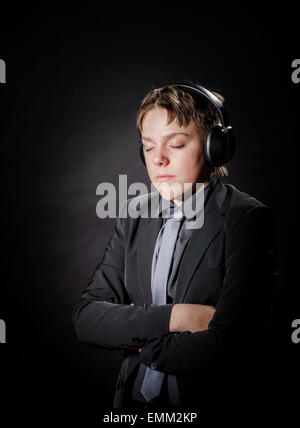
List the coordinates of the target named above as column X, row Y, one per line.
column 160, row 157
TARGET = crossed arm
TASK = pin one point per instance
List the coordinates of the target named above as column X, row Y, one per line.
column 183, row 337
column 188, row 317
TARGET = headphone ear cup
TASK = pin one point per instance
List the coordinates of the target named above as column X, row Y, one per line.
column 142, row 152
column 219, row 145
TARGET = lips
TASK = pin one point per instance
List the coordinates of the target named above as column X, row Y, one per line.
column 164, row 177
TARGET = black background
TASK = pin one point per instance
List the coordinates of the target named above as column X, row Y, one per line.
column 75, row 78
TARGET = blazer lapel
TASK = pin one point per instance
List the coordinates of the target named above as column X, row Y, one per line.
column 197, row 245
column 145, row 248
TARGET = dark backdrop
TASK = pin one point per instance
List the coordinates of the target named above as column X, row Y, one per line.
column 75, row 77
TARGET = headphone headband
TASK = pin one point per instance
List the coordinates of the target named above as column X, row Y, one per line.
column 200, row 90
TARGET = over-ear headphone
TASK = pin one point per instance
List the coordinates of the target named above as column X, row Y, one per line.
column 219, row 145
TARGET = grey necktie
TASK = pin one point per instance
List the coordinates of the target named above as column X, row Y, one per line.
column 153, row 379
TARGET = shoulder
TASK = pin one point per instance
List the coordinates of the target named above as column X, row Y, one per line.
column 242, row 200
column 245, row 208
column 137, row 208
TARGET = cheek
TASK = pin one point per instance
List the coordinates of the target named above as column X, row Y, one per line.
column 151, row 170
column 189, row 164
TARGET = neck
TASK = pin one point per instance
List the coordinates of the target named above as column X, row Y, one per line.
column 179, row 201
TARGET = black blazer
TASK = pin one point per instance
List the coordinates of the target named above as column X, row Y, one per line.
column 229, row 263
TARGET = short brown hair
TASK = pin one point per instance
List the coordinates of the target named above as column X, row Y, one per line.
column 184, row 108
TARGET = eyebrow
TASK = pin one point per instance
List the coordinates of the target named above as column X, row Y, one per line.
column 166, row 137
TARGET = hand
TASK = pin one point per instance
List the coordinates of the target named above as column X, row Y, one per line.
column 190, row 317
column 135, row 349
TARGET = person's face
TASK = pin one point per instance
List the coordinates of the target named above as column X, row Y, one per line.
column 174, row 154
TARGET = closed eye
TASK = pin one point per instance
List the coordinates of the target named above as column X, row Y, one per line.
column 174, row 147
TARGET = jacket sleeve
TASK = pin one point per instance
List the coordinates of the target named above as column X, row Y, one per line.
column 103, row 315
column 241, row 311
